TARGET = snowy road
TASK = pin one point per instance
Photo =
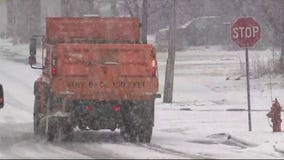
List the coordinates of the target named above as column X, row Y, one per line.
column 196, row 125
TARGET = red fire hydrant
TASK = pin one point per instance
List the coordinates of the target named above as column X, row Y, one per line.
column 275, row 115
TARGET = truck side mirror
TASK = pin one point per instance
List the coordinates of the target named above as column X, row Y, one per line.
column 32, row 58
column 1, row 97
column 33, row 46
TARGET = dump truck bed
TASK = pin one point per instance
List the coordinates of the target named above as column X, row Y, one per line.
column 105, row 71
column 92, row 29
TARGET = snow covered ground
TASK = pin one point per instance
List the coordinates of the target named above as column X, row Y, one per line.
column 207, row 119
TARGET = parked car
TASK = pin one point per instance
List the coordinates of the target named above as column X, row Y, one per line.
column 207, row 30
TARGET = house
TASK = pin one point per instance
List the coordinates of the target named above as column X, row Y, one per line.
column 208, row 30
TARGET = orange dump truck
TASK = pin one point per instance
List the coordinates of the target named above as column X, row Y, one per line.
column 95, row 75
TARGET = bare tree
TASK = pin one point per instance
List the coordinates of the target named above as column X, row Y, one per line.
column 78, row 8
column 3, row 17
column 11, row 18
column 133, row 7
column 34, row 17
column 113, row 8
column 66, row 8
column 145, row 21
column 24, row 19
column 274, row 11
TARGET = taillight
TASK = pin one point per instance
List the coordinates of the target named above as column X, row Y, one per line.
column 116, row 108
column 154, row 67
column 54, row 69
column 154, row 63
column 89, row 108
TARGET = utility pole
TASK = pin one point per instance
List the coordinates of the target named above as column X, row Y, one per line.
column 144, row 21
column 169, row 78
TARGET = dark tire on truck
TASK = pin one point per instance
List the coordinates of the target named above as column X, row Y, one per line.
column 138, row 118
column 53, row 126
column 51, row 133
column 145, row 133
column 59, row 129
column 36, row 115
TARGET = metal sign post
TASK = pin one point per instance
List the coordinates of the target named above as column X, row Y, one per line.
column 246, row 32
column 248, row 89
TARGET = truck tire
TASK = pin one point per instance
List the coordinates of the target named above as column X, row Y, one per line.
column 128, row 130
column 51, row 132
column 59, row 129
column 36, row 116
column 128, row 133
column 145, row 133
column 147, row 123
column 138, row 118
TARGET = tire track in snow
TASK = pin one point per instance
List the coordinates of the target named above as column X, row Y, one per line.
column 158, row 148
column 93, row 150
column 13, row 79
column 110, row 145
column 12, row 100
column 12, row 134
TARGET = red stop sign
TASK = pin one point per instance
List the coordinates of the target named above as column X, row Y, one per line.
column 245, row 32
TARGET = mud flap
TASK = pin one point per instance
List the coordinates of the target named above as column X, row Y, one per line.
column 57, row 128
column 138, row 120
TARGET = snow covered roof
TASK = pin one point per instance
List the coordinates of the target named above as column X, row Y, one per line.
column 195, row 19
column 185, row 25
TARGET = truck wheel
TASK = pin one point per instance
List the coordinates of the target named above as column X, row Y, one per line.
column 59, row 130
column 50, row 134
column 128, row 131
column 145, row 133
column 36, row 116
column 129, row 134
column 67, row 133
column 138, row 121
column 147, row 121
column 141, row 132
column 51, row 130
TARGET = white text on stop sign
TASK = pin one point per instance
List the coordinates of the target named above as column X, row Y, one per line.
column 245, row 32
